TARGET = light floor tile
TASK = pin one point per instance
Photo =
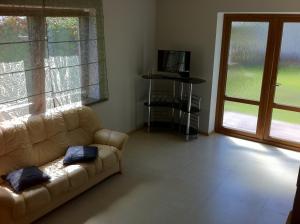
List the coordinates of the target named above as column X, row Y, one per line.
column 211, row 180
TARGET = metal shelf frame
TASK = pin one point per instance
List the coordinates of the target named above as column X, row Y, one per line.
column 181, row 100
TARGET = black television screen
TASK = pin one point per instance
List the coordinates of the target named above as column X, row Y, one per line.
column 174, row 61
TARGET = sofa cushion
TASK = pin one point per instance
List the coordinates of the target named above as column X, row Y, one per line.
column 88, row 120
column 108, row 156
column 59, row 181
column 54, row 124
column 79, row 136
column 46, row 151
column 24, row 178
column 19, row 208
column 30, row 200
column 80, row 154
column 16, row 160
column 16, row 150
column 90, row 168
column 36, row 129
column 68, row 177
column 77, row 175
column 36, row 197
column 71, row 118
column 14, row 137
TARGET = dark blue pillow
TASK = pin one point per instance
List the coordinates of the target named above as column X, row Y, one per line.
column 24, row 178
column 77, row 154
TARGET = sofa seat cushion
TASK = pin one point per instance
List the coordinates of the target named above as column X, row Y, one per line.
column 62, row 179
column 19, row 201
column 29, row 200
column 77, row 175
column 67, row 177
column 36, row 197
column 108, row 156
column 59, row 181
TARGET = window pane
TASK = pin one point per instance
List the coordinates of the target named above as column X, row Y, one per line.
column 13, row 29
column 68, row 97
column 18, row 57
column 66, row 78
column 239, row 116
column 285, row 125
column 14, row 109
column 55, row 58
column 12, row 87
column 246, row 59
column 288, row 79
column 64, row 50
column 73, row 59
column 14, row 58
column 62, row 28
column 63, row 61
column 85, row 52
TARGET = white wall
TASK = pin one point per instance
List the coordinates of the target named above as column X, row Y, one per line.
column 130, row 44
column 191, row 25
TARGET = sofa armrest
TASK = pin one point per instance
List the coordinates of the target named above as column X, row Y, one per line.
column 112, row 138
column 6, row 206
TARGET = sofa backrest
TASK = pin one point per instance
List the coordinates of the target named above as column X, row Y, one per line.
column 40, row 139
column 15, row 147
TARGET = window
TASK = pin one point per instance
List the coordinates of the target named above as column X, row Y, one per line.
column 49, row 57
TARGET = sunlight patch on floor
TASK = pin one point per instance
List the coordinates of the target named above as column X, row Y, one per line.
column 248, row 144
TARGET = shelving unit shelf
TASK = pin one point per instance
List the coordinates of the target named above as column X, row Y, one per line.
column 178, row 110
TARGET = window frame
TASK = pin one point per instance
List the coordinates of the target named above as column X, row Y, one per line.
column 39, row 103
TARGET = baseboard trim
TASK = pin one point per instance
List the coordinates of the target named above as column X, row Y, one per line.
column 134, row 130
column 143, row 127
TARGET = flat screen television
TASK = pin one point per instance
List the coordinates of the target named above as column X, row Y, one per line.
column 174, row 62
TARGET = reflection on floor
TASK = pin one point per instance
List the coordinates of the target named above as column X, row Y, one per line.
column 211, row 180
column 279, row 129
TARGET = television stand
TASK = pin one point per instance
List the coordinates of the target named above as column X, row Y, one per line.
column 178, row 110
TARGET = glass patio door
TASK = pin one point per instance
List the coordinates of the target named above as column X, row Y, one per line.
column 259, row 83
column 246, row 63
column 244, row 53
column 284, row 124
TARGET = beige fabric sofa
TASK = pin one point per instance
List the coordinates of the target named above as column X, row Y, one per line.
column 42, row 141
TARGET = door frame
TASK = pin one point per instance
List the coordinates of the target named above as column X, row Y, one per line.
column 266, row 103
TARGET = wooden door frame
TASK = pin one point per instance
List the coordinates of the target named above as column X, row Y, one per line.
column 266, row 103
column 271, row 104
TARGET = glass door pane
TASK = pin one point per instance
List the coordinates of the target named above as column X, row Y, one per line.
column 285, row 122
column 285, row 125
column 245, row 70
column 235, row 115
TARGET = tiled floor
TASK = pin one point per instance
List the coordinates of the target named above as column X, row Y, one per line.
column 211, row 180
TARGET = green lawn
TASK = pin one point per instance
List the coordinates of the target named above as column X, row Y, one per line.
column 245, row 82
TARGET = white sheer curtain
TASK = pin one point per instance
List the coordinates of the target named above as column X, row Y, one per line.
column 49, row 58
